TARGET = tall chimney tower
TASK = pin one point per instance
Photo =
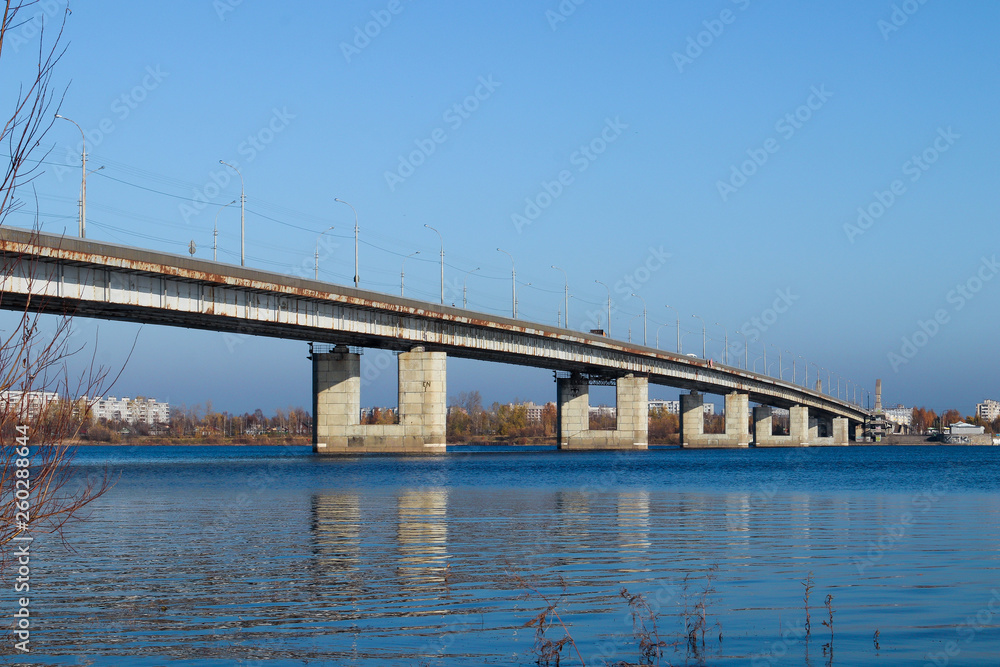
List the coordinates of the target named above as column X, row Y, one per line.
column 878, row 396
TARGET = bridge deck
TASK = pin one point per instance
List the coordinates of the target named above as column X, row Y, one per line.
column 102, row 280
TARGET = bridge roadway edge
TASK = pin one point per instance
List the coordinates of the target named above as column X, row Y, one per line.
column 415, row 323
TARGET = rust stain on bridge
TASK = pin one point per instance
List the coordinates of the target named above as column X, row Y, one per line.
column 22, row 243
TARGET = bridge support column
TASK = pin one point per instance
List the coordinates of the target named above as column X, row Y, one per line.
column 762, row 426
column 803, row 430
column 337, row 427
column 840, row 431
column 573, row 418
column 693, row 422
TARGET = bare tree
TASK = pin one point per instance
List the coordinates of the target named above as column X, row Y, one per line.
column 39, row 491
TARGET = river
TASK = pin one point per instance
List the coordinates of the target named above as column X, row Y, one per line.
column 273, row 556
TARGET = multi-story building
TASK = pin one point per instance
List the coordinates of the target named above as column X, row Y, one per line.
column 535, row 411
column 603, row 411
column 988, row 410
column 674, row 407
column 28, row 404
column 129, row 410
column 900, row 416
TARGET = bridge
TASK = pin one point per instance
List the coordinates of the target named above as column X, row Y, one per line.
column 80, row 277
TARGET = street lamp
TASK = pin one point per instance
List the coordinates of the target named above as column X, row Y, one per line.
column 677, row 313
column 609, row 305
column 565, row 295
column 215, row 232
column 83, row 181
column 793, row 365
column 513, row 282
column 643, row 317
column 402, row 274
column 465, row 287
column 243, row 206
column 746, row 351
column 658, row 334
column 755, row 363
column 318, row 237
column 442, row 259
column 355, row 240
column 805, row 365
column 818, row 377
column 704, row 339
column 725, row 352
column 630, row 326
column 780, row 374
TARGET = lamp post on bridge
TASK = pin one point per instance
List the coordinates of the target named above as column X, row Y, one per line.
column 355, row 240
column 643, row 317
column 316, row 267
column 805, row 367
column 402, row 272
column 780, row 373
column 243, row 208
column 725, row 350
column 755, row 364
column 513, row 283
column 565, row 295
column 793, row 365
column 630, row 326
column 677, row 313
column 465, row 287
column 215, row 232
column 442, row 259
column 746, row 351
column 83, row 181
column 609, row 305
column 818, row 377
column 658, row 334
column 704, row 339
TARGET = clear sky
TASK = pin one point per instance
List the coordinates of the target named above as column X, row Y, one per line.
column 710, row 156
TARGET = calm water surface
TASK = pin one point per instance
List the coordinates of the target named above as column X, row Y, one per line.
column 241, row 555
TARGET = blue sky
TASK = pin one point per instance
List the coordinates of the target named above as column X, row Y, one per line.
column 713, row 154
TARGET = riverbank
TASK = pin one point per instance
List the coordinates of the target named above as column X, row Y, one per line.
column 159, row 441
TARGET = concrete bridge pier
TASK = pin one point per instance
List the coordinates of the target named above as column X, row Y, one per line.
column 803, row 430
column 337, row 427
column 573, row 415
column 692, row 422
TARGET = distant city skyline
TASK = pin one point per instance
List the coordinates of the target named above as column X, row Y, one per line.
column 793, row 173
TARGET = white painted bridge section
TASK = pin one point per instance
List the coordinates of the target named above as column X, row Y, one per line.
column 95, row 279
